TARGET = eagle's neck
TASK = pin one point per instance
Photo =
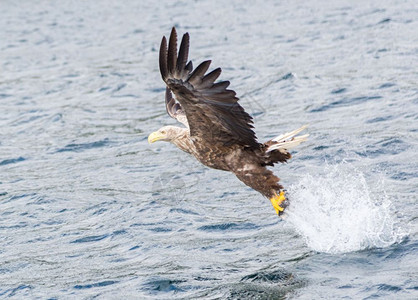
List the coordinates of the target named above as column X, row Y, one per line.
column 183, row 141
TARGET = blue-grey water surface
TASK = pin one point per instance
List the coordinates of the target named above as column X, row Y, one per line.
column 88, row 209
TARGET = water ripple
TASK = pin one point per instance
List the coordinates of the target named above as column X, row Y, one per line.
column 345, row 102
column 84, row 146
column 228, row 226
column 89, row 239
column 93, row 285
column 12, row 161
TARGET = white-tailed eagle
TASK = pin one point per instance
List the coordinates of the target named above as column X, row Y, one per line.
column 217, row 130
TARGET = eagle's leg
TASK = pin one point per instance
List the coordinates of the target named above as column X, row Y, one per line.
column 277, row 201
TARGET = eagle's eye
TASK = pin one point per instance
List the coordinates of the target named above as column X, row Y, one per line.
column 163, row 131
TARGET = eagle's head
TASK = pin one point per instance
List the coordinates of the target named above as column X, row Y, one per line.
column 166, row 134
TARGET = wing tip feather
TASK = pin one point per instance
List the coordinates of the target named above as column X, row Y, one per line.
column 163, row 58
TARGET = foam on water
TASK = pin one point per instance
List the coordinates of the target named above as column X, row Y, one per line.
column 337, row 211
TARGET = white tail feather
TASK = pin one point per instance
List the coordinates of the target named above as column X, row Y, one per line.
column 288, row 140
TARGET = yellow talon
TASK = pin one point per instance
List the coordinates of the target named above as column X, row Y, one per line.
column 277, row 200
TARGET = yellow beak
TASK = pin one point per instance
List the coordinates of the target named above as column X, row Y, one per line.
column 155, row 136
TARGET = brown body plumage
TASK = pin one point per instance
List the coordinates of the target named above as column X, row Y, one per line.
column 219, row 133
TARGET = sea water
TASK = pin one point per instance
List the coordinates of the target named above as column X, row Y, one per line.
column 88, row 209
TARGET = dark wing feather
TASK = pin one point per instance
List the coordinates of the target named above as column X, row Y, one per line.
column 183, row 54
column 212, row 111
column 163, row 58
column 172, row 52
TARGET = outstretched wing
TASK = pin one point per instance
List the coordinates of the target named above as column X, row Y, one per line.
column 212, row 111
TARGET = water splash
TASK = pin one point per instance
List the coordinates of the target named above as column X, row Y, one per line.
column 337, row 212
